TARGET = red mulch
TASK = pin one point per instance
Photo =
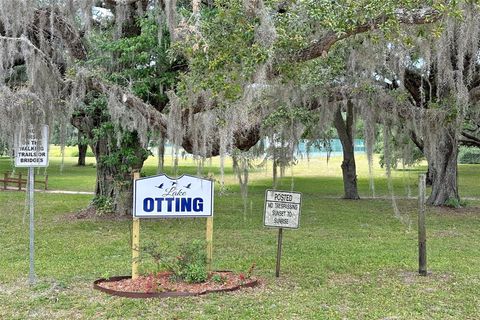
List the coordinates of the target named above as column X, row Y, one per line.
column 162, row 282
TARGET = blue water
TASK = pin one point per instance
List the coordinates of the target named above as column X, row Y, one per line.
column 336, row 149
column 335, row 145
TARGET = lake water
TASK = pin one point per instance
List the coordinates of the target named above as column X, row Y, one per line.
column 336, row 148
column 335, row 145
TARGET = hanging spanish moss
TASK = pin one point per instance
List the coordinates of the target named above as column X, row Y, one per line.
column 241, row 164
column 34, row 41
column 422, row 91
column 170, row 13
column 442, row 98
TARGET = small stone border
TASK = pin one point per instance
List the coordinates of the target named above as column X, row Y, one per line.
column 164, row 294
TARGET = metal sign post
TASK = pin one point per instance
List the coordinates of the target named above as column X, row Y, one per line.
column 282, row 210
column 31, row 191
column 32, row 154
column 279, row 252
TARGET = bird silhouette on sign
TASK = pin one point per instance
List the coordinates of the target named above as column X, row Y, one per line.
column 160, row 186
column 188, row 186
column 174, row 183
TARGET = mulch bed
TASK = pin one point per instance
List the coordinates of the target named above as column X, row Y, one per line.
column 162, row 285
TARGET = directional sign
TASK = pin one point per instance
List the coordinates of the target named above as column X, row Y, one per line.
column 164, row 197
column 282, row 209
column 33, row 153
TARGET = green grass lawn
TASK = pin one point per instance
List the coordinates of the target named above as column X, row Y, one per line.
column 348, row 259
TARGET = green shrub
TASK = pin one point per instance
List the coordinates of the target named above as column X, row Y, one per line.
column 156, row 253
column 189, row 265
column 75, row 153
column 455, row 203
column 469, row 155
column 103, row 204
column 196, row 273
column 218, row 278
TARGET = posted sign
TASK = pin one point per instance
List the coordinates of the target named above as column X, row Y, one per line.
column 164, row 197
column 282, row 209
column 34, row 153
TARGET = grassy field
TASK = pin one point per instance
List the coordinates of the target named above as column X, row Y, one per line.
column 348, row 259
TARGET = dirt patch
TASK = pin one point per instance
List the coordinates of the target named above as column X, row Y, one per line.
column 346, row 279
column 163, row 282
column 91, row 213
column 385, row 276
column 446, row 234
column 466, row 211
column 410, row 277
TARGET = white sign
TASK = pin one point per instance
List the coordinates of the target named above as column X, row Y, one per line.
column 164, row 197
column 34, row 153
column 282, row 209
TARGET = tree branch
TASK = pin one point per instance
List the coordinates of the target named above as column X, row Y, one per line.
column 470, row 140
column 25, row 41
column 320, row 47
column 155, row 118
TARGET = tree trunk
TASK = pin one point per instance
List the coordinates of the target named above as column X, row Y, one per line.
column 104, row 185
column 443, row 168
column 114, row 178
column 82, row 154
column 429, row 176
column 161, row 155
column 116, row 161
column 345, row 134
column 275, row 173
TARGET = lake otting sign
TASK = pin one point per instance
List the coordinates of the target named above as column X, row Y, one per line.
column 164, row 197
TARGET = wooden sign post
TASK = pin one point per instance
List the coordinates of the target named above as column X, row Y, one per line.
column 282, row 210
column 209, row 243
column 163, row 197
column 422, row 234
column 135, row 239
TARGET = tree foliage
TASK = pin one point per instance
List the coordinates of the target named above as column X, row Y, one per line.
column 215, row 76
